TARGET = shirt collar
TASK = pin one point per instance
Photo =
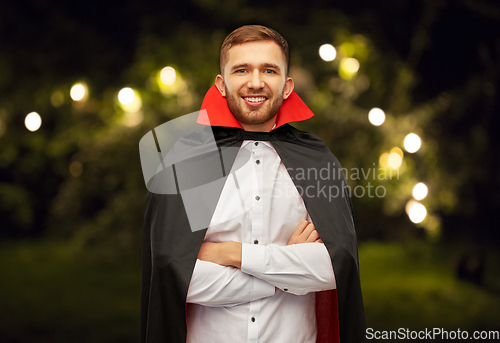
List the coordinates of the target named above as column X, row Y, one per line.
column 215, row 112
column 266, row 143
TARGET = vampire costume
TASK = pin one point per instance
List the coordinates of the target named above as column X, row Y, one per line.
column 172, row 238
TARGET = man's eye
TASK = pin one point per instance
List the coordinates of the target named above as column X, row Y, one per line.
column 240, row 71
column 270, row 71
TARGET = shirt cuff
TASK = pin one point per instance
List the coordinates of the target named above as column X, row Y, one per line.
column 253, row 258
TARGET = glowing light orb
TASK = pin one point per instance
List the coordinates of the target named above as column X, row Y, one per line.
column 327, row 52
column 395, row 158
column 412, row 143
column 78, row 92
column 376, row 116
column 351, row 65
column 167, row 75
column 409, row 205
column 130, row 100
column 420, row 191
column 126, row 96
column 397, row 151
column 33, row 121
column 384, row 160
column 417, row 213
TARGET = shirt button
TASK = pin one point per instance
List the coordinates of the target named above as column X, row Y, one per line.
column 253, row 319
column 285, row 289
column 256, row 242
column 256, row 143
column 258, row 161
column 257, row 198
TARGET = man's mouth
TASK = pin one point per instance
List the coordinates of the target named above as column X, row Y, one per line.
column 254, row 100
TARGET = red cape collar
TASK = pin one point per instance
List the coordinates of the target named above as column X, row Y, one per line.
column 215, row 112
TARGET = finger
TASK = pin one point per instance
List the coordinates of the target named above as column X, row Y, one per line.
column 307, row 231
column 319, row 240
column 300, row 228
column 313, row 236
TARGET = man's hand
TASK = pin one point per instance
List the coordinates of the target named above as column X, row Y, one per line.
column 304, row 233
column 224, row 254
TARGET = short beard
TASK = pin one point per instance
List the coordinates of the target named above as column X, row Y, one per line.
column 243, row 118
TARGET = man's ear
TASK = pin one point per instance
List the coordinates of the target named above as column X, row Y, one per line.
column 288, row 89
column 219, row 83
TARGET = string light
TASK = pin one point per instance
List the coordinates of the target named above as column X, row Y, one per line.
column 395, row 158
column 33, row 121
column 376, row 116
column 420, row 191
column 167, row 76
column 417, row 213
column 412, row 143
column 327, row 52
column 126, row 96
column 351, row 65
column 78, row 92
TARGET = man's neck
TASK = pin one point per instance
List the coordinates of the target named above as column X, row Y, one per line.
column 265, row 127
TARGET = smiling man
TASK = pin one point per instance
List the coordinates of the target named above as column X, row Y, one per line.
column 255, row 82
column 278, row 261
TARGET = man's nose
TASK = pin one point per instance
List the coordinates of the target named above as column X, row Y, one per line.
column 256, row 80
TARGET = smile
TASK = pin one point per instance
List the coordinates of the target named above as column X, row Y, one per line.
column 254, row 100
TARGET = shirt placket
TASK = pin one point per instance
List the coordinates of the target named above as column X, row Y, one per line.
column 256, row 231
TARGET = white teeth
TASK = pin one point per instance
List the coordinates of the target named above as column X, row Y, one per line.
column 255, row 99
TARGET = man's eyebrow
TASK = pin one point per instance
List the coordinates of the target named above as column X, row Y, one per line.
column 263, row 65
column 270, row 65
column 238, row 66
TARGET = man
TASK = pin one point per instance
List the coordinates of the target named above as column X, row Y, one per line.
column 262, row 272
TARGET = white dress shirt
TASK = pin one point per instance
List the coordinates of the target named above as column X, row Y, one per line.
column 260, row 207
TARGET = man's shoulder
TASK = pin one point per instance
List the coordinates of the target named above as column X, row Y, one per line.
column 307, row 138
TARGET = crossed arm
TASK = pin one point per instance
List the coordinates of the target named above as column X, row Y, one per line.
column 231, row 273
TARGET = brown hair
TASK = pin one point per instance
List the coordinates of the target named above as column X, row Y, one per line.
column 253, row 33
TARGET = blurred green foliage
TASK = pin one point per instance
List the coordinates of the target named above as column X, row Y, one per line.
column 79, row 176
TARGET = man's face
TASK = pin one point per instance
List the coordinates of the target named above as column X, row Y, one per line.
column 254, row 82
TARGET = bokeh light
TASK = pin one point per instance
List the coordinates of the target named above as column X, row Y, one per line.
column 397, row 151
column 167, row 75
column 327, row 52
column 420, row 191
column 33, row 121
column 384, row 160
column 417, row 213
column 130, row 100
column 412, row 143
column 376, row 116
column 78, row 92
column 348, row 68
column 395, row 158
column 409, row 205
column 126, row 96
column 351, row 65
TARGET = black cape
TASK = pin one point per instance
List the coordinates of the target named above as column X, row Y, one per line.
column 170, row 247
